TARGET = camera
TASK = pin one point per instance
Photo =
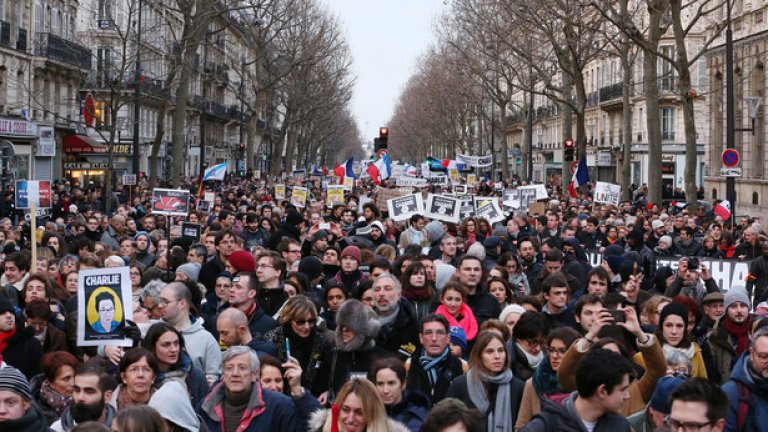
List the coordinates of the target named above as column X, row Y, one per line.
column 617, row 315
column 693, row 263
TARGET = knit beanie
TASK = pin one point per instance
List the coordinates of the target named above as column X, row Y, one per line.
column 311, row 266
column 666, row 239
column 5, row 305
column 192, row 270
column 614, row 262
column 664, row 388
column 674, row 309
column 242, row 261
column 13, row 380
column 459, row 337
column 354, row 252
column 141, row 233
column 737, row 293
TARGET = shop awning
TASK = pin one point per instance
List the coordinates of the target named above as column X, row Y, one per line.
column 83, row 144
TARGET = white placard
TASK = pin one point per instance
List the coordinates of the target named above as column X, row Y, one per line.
column 608, row 193
column 104, row 303
column 443, row 208
column 402, row 208
column 490, row 211
column 402, row 181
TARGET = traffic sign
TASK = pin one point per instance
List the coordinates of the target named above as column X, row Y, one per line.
column 730, row 172
column 731, row 158
column 574, row 164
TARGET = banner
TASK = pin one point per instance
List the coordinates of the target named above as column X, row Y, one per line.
column 403, row 207
column 171, row 202
column 279, row 192
column 299, row 196
column 104, row 304
column 607, row 193
column 438, row 180
column 411, row 182
column 335, row 195
column 489, row 211
column 443, row 208
column 33, row 191
column 475, row 161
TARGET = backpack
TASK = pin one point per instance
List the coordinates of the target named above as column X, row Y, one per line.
column 744, row 406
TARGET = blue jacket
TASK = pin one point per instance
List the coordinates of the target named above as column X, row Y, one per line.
column 758, row 398
column 280, row 413
column 412, row 410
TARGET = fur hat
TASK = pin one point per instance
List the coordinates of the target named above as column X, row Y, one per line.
column 359, row 318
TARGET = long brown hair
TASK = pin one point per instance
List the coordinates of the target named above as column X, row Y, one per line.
column 481, row 342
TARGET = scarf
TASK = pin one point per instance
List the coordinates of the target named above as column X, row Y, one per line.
column 57, row 401
column 388, row 320
column 533, row 360
column 416, row 236
column 124, row 399
column 178, row 372
column 418, row 293
column 545, row 380
column 4, row 337
column 500, row 418
column 429, row 364
column 467, row 322
column 739, row 332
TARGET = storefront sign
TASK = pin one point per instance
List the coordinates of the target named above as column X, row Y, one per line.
column 46, row 143
column 122, row 149
column 86, row 165
column 12, row 127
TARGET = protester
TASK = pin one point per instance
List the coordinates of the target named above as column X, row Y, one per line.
column 17, row 413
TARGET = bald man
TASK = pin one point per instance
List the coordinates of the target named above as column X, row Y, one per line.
column 232, row 326
column 115, row 232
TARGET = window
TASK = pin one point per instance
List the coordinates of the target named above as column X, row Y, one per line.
column 103, row 66
column 105, row 10
column 667, row 124
column 755, row 200
column 667, row 75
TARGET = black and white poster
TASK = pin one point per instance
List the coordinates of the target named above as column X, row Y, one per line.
column 104, row 303
column 402, row 208
column 467, row 207
column 607, row 193
column 489, row 211
column 459, row 190
column 171, row 202
column 191, row 230
column 443, row 208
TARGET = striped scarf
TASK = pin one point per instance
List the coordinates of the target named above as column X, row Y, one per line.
column 429, row 364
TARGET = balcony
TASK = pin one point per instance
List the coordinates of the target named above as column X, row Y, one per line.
column 61, row 50
column 217, row 110
column 611, row 92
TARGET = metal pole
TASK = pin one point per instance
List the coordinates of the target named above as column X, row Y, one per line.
column 202, row 112
column 246, row 154
column 529, row 138
column 730, row 134
column 137, row 95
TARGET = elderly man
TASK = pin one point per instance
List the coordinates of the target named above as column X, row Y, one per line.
column 399, row 326
column 16, row 410
column 749, row 247
column 239, row 403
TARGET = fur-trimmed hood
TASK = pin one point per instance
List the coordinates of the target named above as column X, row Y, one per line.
column 361, row 319
column 320, row 421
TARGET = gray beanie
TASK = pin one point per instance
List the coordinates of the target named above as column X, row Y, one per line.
column 737, row 293
column 192, row 270
column 666, row 239
column 13, row 380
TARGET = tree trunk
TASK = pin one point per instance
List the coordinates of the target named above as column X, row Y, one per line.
column 626, row 119
column 567, row 129
column 651, row 92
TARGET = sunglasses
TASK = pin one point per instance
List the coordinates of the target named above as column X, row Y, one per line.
column 311, row 321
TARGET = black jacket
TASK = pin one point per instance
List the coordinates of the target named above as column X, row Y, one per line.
column 411, row 411
column 31, row 421
column 460, row 391
column 285, row 230
column 348, row 364
column 210, row 270
column 402, row 337
column 451, row 368
column 271, row 299
column 24, row 351
column 484, row 305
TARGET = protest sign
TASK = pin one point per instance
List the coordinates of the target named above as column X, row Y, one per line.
column 467, row 207
column 385, row 195
column 299, row 196
column 454, row 175
column 335, row 195
column 607, row 193
column 279, row 192
column 349, row 183
column 30, row 192
column 490, row 211
column 104, row 303
column 403, row 181
column 171, row 202
column 443, row 208
column 475, row 161
column 191, row 230
column 541, row 191
column 482, row 200
column 438, row 180
column 471, row 180
column 459, row 189
column 403, row 207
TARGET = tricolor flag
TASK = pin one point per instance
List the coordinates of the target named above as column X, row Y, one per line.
column 345, row 170
column 216, row 172
column 723, row 209
column 580, row 177
column 380, row 170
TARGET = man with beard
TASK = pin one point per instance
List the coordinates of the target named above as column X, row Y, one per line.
column 531, row 265
column 730, row 336
column 397, row 315
column 92, row 391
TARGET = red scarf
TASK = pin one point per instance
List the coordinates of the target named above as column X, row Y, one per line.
column 740, row 333
column 468, row 322
column 4, row 337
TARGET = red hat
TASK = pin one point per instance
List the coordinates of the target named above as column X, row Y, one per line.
column 242, row 261
column 354, row 252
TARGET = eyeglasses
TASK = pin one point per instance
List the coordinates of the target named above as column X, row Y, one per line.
column 135, row 370
column 261, row 266
column 294, row 251
column 561, row 351
column 675, row 425
column 438, row 333
column 533, row 342
column 311, row 321
column 164, row 303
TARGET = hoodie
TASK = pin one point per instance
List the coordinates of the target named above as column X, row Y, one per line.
column 172, row 402
column 203, row 348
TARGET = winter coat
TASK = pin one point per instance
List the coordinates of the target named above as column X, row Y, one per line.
column 483, row 305
column 640, row 390
column 518, row 362
column 411, row 411
column 698, row 369
column 194, row 379
column 459, row 389
column 418, row 380
column 281, row 413
column 723, row 348
column 749, row 250
column 402, row 336
column 211, row 270
column 566, row 418
column 692, row 248
column 312, row 352
column 66, row 423
column 284, row 230
column 697, row 293
column 318, row 419
column 24, row 351
column 31, row 421
column 55, row 340
column 757, row 280
column 757, row 410
column 203, row 348
column 42, row 406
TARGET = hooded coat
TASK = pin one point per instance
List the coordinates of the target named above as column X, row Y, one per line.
column 566, row 418
column 319, row 421
column 172, row 403
column 758, row 397
column 203, row 348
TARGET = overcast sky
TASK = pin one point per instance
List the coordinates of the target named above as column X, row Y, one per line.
column 386, row 37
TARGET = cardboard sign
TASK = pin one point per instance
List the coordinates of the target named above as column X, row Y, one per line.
column 299, row 196
column 334, row 195
column 191, row 230
column 467, row 207
column 403, row 207
column 607, row 193
column 279, row 192
column 171, row 202
column 537, row 208
column 33, row 191
column 443, row 208
column 104, row 303
column 385, row 195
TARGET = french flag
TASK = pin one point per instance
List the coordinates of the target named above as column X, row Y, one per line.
column 345, row 170
column 723, row 209
column 380, row 170
column 580, row 177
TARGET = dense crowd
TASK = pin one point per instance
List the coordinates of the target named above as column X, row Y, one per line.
column 337, row 318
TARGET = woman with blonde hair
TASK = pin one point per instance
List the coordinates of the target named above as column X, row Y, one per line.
column 360, row 409
column 386, row 251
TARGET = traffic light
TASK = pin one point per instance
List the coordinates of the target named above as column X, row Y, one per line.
column 569, row 150
column 380, row 143
column 241, row 160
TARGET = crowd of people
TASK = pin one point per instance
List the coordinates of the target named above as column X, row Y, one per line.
column 337, row 318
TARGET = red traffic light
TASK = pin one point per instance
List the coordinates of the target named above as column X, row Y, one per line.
column 568, row 144
column 383, row 132
column 242, row 146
